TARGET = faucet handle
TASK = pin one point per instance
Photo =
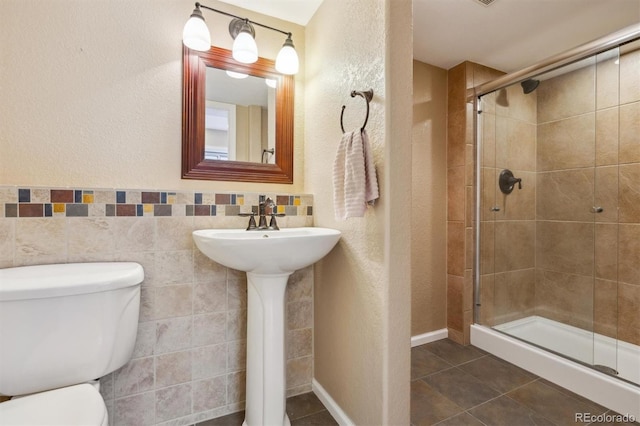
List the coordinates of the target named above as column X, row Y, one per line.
column 252, row 220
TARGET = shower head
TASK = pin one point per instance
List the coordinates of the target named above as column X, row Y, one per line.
column 529, row 86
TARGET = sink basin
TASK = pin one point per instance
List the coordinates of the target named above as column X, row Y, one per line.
column 266, row 252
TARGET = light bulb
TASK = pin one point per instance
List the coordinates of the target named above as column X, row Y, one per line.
column 287, row 59
column 245, row 49
column 195, row 34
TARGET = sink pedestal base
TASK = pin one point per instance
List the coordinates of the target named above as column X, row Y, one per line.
column 266, row 356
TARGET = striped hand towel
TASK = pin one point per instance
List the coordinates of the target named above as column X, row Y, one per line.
column 355, row 184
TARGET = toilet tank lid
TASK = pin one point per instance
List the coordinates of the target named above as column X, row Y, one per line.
column 43, row 281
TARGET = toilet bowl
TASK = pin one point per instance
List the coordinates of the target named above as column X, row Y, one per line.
column 62, row 326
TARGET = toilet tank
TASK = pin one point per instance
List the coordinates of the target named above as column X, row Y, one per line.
column 66, row 324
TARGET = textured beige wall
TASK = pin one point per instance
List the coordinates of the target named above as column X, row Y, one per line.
column 91, row 92
column 429, row 190
column 362, row 291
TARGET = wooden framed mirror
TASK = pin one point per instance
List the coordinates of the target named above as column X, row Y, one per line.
column 194, row 105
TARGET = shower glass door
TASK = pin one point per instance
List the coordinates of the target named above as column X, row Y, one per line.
column 549, row 210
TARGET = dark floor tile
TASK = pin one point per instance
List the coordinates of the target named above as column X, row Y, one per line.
column 461, row 388
column 234, row 419
column 462, row 419
column 303, row 405
column 428, row 406
column 551, row 403
column 504, row 411
column 323, row 418
column 424, row 363
column 453, row 352
column 498, row 374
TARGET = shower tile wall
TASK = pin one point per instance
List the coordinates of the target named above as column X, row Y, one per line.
column 542, row 253
column 589, row 154
column 189, row 360
column 460, row 194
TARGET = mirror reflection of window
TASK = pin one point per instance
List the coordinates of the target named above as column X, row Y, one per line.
column 240, row 117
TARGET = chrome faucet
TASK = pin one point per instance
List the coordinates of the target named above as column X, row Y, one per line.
column 263, row 203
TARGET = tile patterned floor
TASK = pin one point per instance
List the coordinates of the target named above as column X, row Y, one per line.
column 455, row 385
column 303, row 410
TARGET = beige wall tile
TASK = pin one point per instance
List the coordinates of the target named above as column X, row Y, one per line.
column 209, row 361
column 135, row 234
column 173, row 368
column 455, row 193
column 629, row 80
column 629, row 254
column 607, row 136
column 209, row 394
column 566, row 144
column 456, row 138
column 173, row 301
column 134, row 377
column 136, row 410
column 607, row 81
column 91, row 235
column 173, row 267
column 565, row 247
column 299, row 371
column 236, row 325
column 515, row 144
column 455, row 287
column 487, row 300
column 606, row 251
column 566, row 298
column 606, row 193
column 209, row 297
column 7, row 241
column 299, row 314
column 628, row 313
column 630, row 133
column 605, row 308
column 565, row 195
column 514, row 295
column 174, row 233
column 173, row 402
column 487, row 249
column 489, row 193
column 236, row 389
column 299, row 343
column 488, row 123
column 40, row 241
column 568, row 95
column 630, row 193
column 209, row 329
column 455, row 248
column 514, row 245
column 173, row 334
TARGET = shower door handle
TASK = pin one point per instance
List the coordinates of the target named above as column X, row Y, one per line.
column 597, row 209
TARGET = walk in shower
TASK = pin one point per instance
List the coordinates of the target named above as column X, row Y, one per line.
column 558, row 204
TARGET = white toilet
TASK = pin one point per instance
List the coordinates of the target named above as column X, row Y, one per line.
column 62, row 326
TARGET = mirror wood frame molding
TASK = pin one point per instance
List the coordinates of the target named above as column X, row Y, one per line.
column 194, row 165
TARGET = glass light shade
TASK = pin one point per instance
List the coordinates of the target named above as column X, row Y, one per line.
column 271, row 82
column 196, row 34
column 237, row 75
column 287, row 59
column 245, row 49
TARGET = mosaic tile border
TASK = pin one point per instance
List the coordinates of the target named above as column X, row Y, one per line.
column 32, row 202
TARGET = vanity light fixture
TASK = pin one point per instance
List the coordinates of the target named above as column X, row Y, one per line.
column 196, row 36
column 238, row 75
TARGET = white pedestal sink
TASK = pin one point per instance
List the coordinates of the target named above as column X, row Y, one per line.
column 268, row 257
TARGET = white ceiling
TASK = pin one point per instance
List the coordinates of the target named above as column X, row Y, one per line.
column 507, row 35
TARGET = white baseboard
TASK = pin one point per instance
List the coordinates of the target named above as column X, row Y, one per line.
column 333, row 408
column 432, row 336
